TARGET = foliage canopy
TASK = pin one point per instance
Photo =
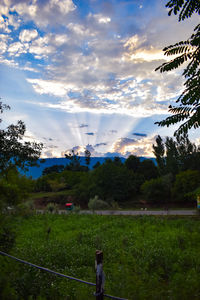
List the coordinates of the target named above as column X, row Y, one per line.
column 188, row 110
column 13, row 150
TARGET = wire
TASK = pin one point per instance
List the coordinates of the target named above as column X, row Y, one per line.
column 47, row 270
column 113, row 297
column 56, row 273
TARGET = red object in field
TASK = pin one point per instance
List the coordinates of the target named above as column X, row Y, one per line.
column 69, row 206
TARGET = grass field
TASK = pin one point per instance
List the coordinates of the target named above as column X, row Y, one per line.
column 144, row 257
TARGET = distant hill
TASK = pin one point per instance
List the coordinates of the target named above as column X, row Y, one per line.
column 36, row 172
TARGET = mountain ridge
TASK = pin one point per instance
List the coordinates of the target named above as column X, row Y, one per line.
column 36, row 172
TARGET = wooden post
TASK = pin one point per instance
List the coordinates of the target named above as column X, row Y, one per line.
column 99, row 275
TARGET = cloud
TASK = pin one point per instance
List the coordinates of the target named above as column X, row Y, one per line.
column 41, row 48
column 100, row 144
column 83, row 125
column 140, row 134
column 81, row 150
column 113, row 131
column 48, row 154
column 90, row 61
column 141, row 147
column 4, row 25
column 17, row 48
column 121, row 144
column 100, row 18
column 3, row 46
column 28, row 35
column 49, row 87
column 52, row 146
column 84, row 47
column 43, row 13
column 112, row 154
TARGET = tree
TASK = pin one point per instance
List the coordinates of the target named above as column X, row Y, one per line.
column 188, row 153
column 13, row 150
column 188, row 110
column 15, row 154
column 87, row 157
column 132, row 163
column 159, row 151
column 117, row 161
column 96, row 165
column 186, row 182
column 172, row 156
column 156, row 190
column 53, row 169
column 115, row 181
column 148, row 169
column 175, row 155
column 74, row 161
column 14, row 188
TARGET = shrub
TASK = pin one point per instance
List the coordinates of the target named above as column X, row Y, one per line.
column 156, row 190
column 52, row 207
column 14, row 188
column 76, row 209
column 114, row 205
column 186, row 182
column 25, row 209
column 96, row 203
column 55, row 185
column 7, row 233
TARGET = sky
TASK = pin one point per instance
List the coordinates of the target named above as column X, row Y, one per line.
column 81, row 74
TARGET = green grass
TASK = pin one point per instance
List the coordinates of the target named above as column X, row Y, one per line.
column 145, row 257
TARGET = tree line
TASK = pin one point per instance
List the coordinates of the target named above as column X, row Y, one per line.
column 174, row 178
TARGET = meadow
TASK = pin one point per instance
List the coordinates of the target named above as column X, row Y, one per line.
column 144, row 257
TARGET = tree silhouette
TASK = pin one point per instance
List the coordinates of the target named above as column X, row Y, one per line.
column 14, row 152
column 87, row 157
column 188, row 110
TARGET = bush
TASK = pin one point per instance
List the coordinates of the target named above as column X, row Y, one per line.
column 76, row 209
column 115, row 205
column 7, row 233
column 52, row 207
column 96, row 203
column 56, row 185
column 156, row 190
column 25, row 209
column 14, row 189
column 186, row 182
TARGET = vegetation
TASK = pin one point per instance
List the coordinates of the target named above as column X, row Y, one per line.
column 176, row 155
column 186, row 51
column 134, row 181
column 159, row 255
column 185, row 182
column 157, row 191
column 144, row 257
column 96, row 203
column 15, row 155
column 175, row 177
column 15, row 152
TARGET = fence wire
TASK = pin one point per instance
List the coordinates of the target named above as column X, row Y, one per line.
column 57, row 273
